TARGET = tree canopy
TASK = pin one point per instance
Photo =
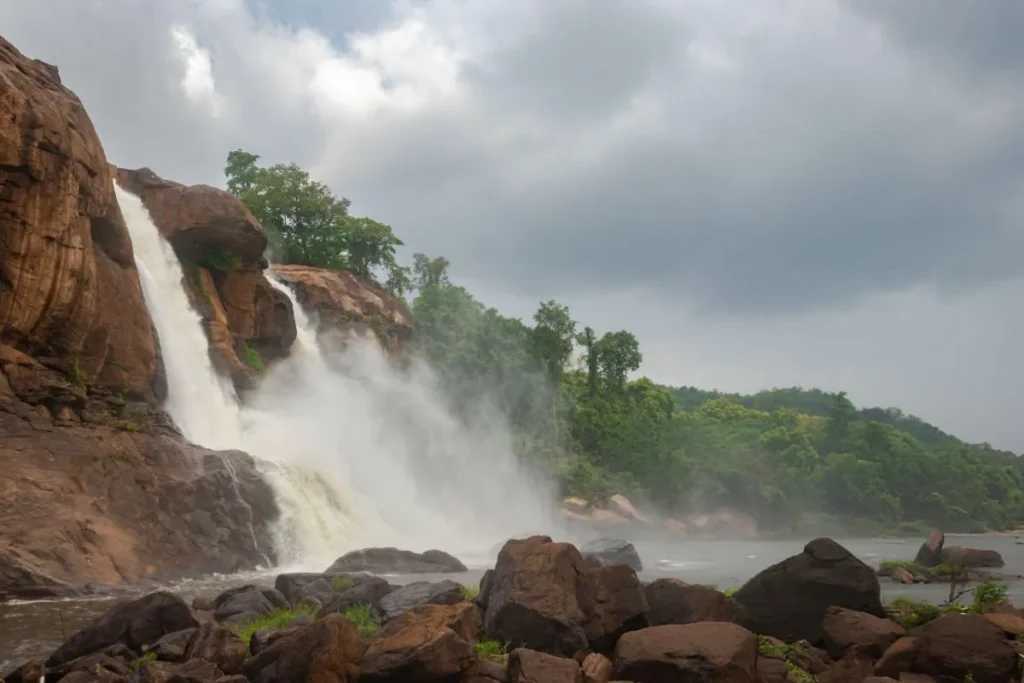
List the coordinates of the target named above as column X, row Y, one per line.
column 307, row 225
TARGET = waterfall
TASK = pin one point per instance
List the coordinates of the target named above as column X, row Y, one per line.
column 201, row 403
column 357, row 451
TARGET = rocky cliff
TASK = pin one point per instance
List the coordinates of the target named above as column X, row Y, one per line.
column 64, row 248
column 95, row 483
column 220, row 246
column 350, row 305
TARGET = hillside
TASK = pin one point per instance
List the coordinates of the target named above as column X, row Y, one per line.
column 796, row 460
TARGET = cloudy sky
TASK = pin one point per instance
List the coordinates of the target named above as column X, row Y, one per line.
column 767, row 192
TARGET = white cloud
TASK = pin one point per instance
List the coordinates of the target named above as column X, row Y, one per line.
column 794, row 192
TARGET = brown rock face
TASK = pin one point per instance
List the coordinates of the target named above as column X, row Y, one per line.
column 106, row 505
column 847, row 629
column 528, row 666
column 199, row 221
column 531, row 597
column 65, row 253
column 707, row 652
column 220, row 245
column 427, row 643
column 326, row 651
column 788, row 600
column 613, row 602
column 350, row 304
column 930, row 552
column 951, row 648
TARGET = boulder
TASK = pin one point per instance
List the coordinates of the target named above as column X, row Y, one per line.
column 606, row 551
column 106, row 666
column 29, row 672
column 953, row 647
column 219, row 646
column 930, row 552
column 19, row 579
column 319, row 592
column 530, row 666
column 70, row 295
column 291, row 585
column 972, row 558
column 672, row 601
column 192, row 671
column 197, row 220
column 395, row 561
column 173, row 647
column 419, row 593
column 326, row 650
column 426, row 643
column 788, row 600
column 847, row 629
column 531, row 597
column 705, row 652
column 612, row 600
column 370, row 591
column 853, row 667
column 623, row 507
column 242, row 603
column 484, row 671
column 132, row 624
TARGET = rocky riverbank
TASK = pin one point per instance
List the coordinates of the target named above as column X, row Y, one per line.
column 545, row 613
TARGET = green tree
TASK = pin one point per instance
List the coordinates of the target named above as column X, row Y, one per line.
column 308, row 225
column 618, row 354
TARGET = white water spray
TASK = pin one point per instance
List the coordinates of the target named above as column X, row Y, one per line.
column 357, row 451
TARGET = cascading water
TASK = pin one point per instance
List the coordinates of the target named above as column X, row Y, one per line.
column 202, row 404
column 357, row 451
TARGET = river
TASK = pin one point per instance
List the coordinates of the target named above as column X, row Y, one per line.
column 35, row 628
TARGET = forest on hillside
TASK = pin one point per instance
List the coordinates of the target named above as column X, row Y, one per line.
column 793, row 458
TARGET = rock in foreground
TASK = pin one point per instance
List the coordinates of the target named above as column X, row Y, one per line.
column 789, row 600
column 707, row 652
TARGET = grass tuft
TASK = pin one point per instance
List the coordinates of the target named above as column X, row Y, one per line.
column 491, row 649
column 276, row 619
column 469, row 593
column 340, row 584
column 362, row 616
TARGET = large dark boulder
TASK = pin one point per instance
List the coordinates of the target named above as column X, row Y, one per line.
column 133, row 624
column 613, row 603
column 606, row 551
column 531, row 597
column 789, row 600
column 395, row 561
column 930, row 552
column 847, row 629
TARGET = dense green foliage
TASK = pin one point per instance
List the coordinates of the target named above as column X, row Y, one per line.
column 789, row 457
column 308, row 225
column 792, row 458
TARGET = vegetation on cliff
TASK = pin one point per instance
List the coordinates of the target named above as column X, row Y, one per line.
column 786, row 456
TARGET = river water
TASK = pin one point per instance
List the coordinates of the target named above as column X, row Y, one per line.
column 35, row 628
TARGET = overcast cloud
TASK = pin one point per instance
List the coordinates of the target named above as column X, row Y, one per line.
column 767, row 192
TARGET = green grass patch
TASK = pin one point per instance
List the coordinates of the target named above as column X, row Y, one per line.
column 362, row 616
column 139, row 662
column 912, row 613
column 340, row 584
column 730, row 591
column 491, row 649
column 469, row 593
column 218, row 261
column 900, row 564
column 767, row 648
column 252, row 359
column 276, row 619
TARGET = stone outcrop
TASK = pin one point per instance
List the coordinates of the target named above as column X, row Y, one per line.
column 108, row 504
column 395, row 561
column 426, row 643
column 788, row 600
column 65, row 252
column 606, row 551
column 930, row 552
column 673, row 601
column 220, row 245
column 350, row 306
column 707, row 652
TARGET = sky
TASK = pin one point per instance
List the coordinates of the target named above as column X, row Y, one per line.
column 823, row 193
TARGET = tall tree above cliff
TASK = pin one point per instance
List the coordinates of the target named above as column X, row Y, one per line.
column 309, row 226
